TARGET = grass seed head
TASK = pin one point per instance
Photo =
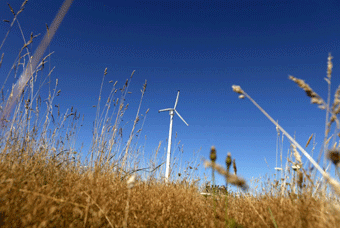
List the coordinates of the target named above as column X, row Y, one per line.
column 228, row 161
column 297, row 155
column 315, row 98
column 334, row 156
column 237, row 89
column 234, row 166
column 213, row 156
column 308, row 141
column 336, row 102
column 329, row 66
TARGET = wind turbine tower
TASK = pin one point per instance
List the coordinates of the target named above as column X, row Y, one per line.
column 172, row 111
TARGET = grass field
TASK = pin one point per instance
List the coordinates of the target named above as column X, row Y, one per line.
column 44, row 183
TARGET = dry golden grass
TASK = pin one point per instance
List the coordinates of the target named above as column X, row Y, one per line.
column 32, row 196
column 43, row 182
column 40, row 195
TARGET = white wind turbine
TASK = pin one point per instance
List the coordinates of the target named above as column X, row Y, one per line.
column 171, row 112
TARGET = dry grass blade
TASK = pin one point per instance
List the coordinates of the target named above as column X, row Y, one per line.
column 52, row 198
column 260, row 216
column 2, row 57
column 20, row 11
column 134, row 124
column 104, row 213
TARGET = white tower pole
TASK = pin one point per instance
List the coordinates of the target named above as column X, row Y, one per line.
column 167, row 171
column 172, row 112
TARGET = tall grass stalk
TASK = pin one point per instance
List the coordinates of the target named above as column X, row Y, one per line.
column 271, row 214
column 228, row 164
column 36, row 58
column 213, row 158
column 335, row 185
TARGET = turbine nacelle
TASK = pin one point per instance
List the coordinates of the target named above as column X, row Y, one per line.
column 172, row 110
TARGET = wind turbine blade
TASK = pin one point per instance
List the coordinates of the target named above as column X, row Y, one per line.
column 167, row 109
column 176, row 100
column 181, row 118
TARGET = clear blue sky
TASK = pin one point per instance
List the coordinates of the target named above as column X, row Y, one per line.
column 198, row 47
